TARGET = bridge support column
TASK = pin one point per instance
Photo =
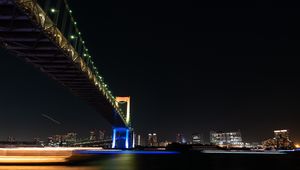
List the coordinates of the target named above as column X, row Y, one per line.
column 122, row 138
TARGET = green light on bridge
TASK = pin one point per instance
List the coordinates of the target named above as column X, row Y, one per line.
column 52, row 10
column 72, row 37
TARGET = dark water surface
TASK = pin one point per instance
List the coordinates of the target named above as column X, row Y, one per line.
column 180, row 161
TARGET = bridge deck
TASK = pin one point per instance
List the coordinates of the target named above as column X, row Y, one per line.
column 22, row 36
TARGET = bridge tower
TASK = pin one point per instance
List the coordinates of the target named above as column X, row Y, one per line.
column 123, row 136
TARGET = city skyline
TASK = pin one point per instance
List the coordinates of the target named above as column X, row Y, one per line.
column 182, row 77
column 281, row 139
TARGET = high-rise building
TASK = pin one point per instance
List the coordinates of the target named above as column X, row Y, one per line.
column 197, row 138
column 218, row 138
column 149, row 141
column 10, row 139
column 155, row 141
column 281, row 140
column 38, row 141
column 152, row 139
column 50, row 141
column 142, row 140
column 71, row 137
column 58, row 138
column 139, row 140
column 101, row 135
column 180, row 138
column 92, row 135
column 233, row 139
column 281, row 134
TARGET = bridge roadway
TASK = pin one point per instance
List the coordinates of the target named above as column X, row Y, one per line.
column 27, row 32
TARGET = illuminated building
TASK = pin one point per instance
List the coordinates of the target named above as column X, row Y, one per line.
column 197, row 138
column 59, row 138
column 10, row 139
column 152, row 139
column 50, row 141
column 38, row 141
column 180, row 138
column 139, row 140
column 164, row 143
column 62, row 140
column 154, row 136
column 281, row 134
column 228, row 139
column 71, row 138
column 101, row 134
column 92, row 135
column 281, row 140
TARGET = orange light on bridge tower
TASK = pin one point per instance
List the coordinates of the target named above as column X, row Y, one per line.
column 127, row 101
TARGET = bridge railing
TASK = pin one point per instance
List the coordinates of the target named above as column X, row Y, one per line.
column 56, row 17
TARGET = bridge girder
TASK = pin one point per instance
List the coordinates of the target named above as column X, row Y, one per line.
column 27, row 32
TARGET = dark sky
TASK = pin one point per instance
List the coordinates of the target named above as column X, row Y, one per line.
column 189, row 67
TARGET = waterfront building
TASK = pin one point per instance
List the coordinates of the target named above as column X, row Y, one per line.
column 50, row 141
column 11, row 139
column 152, row 139
column 92, row 135
column 226, row 139
column 149, row 140
column 139, row 140
column 58, row 138
column 281, row 134
column 164, row 143
column 155, row 142
column 71, row 138
column 180, row 138
column 197, row 138
column 101, row 135
column 281, row 140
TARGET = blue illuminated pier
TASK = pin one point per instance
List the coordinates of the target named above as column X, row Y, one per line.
column 122, row 138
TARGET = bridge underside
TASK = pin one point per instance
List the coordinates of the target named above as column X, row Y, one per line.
column 24, row 38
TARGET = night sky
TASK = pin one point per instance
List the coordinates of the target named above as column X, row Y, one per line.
column 189, row 67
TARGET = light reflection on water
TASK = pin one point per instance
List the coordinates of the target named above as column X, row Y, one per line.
column 121, row 162
column 48, row 168
column 182, row 161
column 114, row 162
